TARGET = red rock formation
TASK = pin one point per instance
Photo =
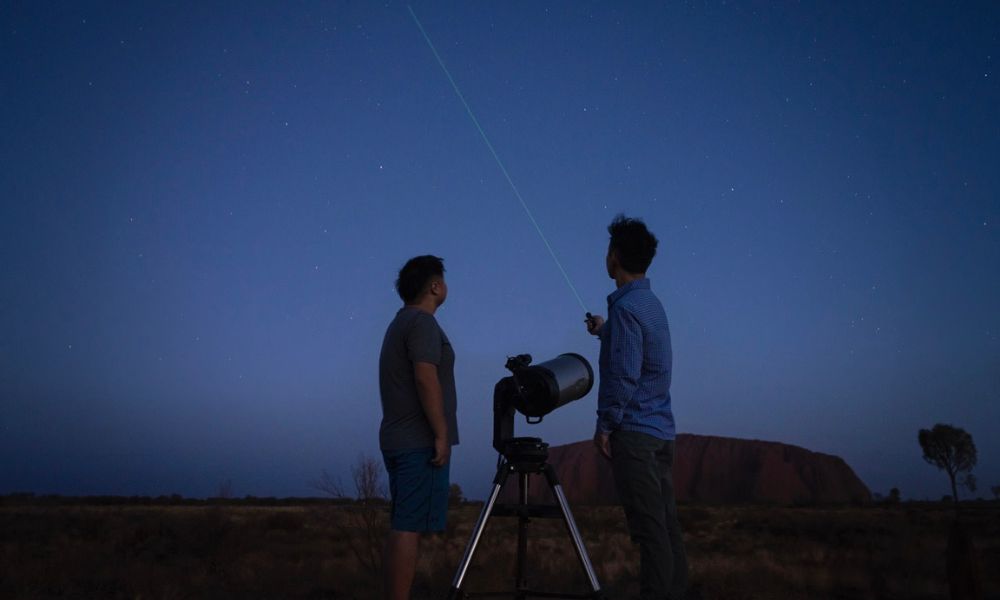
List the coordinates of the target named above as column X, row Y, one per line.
column 715, row 470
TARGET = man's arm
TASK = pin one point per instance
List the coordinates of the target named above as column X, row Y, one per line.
column 621, row 381
column 432, row 401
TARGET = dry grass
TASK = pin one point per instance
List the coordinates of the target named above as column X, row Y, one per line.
column 154, row 552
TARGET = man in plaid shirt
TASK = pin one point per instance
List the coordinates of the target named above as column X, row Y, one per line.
column 635, row 424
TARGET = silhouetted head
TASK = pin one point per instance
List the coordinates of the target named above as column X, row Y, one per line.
column 420, row 277
column 632, row 246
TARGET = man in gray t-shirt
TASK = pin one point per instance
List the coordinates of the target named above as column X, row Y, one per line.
column 414, row 336
column 417, row 389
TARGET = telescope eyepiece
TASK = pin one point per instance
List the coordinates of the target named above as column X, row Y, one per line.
column 515, row 363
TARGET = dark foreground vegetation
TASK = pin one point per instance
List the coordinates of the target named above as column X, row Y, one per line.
column 322, row 549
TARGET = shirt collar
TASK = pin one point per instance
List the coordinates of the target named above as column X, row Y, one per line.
column 638, row 284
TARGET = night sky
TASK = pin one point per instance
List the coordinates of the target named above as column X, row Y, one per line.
column 204, row 209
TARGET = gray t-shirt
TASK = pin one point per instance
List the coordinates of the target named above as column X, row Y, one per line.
column 413, row 336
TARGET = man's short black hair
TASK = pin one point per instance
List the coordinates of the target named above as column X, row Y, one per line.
column 635, row 245
column 416, row 274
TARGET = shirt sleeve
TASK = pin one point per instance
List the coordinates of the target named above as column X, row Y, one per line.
column 620, row 382
column 423, row 344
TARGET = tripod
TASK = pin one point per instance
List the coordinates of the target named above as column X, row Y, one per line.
column 525, row 456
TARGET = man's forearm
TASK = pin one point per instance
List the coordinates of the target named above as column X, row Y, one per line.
column 432, row 401
column 609, row 417
column 614, row 394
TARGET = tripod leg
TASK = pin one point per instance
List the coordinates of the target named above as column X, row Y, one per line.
column 477, row 532
column 581, row 551
column 522, row 538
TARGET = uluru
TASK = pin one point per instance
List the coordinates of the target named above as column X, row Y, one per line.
column 713, row 469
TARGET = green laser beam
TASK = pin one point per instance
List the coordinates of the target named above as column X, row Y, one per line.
column 503, row 169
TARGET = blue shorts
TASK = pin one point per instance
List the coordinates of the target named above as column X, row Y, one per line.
column 419, row 490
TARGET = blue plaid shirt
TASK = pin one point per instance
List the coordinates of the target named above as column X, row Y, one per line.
column 635, row 364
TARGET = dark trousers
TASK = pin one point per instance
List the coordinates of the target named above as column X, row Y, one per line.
column 643, row 470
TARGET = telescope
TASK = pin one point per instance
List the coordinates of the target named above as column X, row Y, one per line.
column 534, row 391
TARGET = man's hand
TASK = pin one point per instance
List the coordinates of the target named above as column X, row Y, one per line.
column 594, row 323
column 603, row 442
column 442, row 452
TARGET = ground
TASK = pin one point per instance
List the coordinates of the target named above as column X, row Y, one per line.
column 322, row 550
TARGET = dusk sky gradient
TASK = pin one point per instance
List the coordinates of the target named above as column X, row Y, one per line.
column 203, row 209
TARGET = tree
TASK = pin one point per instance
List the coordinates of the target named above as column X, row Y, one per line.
column 950, row 449
column 893, row 496
column 364, row 524
column 455, row 495
column 996, row 491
